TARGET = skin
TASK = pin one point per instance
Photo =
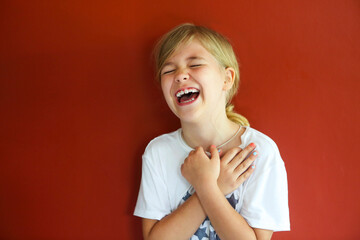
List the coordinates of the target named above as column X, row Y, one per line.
column 204, row 125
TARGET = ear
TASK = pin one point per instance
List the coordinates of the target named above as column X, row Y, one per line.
column 229, row 78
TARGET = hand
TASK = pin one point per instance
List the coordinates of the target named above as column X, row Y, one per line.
column 235, row 169
column 199, row 169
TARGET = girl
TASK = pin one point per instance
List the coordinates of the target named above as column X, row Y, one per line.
column 200, row 181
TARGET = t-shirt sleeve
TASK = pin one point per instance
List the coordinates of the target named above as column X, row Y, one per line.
column 265, row 202
column 153, row 202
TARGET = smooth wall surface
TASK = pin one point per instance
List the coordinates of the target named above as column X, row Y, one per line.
column 78, row 104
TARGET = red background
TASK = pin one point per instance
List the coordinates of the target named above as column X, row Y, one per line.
column 78, row 105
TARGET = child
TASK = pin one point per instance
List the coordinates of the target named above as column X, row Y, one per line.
column 200, row 182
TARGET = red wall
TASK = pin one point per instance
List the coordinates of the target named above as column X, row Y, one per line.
column 78, row 105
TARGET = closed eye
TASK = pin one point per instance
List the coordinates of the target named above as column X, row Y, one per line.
column 167, row 72
column 196, row 65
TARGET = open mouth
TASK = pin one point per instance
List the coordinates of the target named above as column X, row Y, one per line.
column 187, row 96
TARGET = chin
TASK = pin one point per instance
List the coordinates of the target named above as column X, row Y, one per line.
column 189, row 117
column 189, row 113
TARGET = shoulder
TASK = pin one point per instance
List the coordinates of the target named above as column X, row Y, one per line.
column 162, row 144
column 253, row 135
column 163, row 140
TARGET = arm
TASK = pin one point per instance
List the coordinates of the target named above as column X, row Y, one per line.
column 203, row 173
column 228, row 223
column 180, row 224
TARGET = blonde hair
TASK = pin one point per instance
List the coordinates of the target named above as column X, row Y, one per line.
column 215, row 44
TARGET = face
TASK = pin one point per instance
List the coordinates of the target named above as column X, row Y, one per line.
column 194, row 84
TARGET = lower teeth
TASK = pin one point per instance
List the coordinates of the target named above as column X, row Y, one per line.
column 189, row 100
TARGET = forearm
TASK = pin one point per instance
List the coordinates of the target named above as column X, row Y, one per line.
column 180, row 224
column 227, row 223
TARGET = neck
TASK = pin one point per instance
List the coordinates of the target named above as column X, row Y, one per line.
column 207, row 133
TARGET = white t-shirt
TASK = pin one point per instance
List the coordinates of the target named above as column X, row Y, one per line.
column 262, row 199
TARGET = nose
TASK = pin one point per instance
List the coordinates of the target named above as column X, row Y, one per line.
column 182, row 75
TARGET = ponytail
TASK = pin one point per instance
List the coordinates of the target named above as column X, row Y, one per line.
column 235, row 117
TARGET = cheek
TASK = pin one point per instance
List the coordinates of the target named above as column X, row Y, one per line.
column 166, row 88
column 163, row 85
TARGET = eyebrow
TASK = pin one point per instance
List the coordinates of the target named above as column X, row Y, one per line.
column 187, row 59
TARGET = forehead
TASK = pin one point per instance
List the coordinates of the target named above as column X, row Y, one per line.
column 189, row 50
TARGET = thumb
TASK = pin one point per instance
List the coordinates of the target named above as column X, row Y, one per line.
column 214, row 152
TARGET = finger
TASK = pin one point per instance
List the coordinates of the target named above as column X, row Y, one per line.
column 230, row 154
column 221, row 153
column 248, row 149
column 182, row 169
column 199, row 149
column 243, row 177
column 243, row 166
column 244, row 154
column 214, row 152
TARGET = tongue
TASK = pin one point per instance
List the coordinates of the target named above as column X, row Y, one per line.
column 187, row 97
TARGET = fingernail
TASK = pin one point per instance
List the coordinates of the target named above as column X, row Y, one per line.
column 252, row 144
column 252, row 166
column 219, row 150
column 213, row 146
column 255, row 153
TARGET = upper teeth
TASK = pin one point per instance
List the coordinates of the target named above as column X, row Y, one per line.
column 186, row 91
